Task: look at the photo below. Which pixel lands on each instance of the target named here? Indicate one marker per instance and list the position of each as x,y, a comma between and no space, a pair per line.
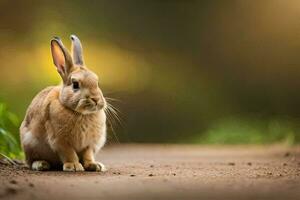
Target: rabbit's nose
95,99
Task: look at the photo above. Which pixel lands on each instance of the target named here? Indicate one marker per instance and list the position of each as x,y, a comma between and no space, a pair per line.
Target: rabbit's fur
65,125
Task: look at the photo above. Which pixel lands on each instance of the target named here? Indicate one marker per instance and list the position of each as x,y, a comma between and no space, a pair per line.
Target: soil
167,172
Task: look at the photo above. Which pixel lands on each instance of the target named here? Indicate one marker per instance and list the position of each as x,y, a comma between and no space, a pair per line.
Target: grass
9,139
241,130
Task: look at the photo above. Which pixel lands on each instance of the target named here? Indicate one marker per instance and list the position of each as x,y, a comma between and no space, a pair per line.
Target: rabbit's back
37,109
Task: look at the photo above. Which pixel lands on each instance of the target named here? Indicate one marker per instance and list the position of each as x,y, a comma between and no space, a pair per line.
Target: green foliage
9,142
241,130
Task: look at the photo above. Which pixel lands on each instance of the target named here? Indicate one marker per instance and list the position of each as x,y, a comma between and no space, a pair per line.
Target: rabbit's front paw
94,166
73,167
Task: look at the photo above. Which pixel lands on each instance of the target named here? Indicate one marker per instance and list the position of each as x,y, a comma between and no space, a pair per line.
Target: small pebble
249,163
269,173
231,163
284,164
151,166
174,174
287,154
13,182
31,185
150,175
132,175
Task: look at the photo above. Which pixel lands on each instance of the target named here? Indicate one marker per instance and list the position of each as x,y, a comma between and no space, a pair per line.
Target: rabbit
65,125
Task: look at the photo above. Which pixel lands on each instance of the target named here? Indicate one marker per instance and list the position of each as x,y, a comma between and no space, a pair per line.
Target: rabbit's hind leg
39,156
40,165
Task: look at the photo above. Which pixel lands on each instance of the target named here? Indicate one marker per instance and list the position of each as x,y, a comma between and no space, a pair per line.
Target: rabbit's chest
83,132
87,133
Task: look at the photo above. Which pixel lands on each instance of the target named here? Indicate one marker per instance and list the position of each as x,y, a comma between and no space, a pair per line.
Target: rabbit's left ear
77,51
61,58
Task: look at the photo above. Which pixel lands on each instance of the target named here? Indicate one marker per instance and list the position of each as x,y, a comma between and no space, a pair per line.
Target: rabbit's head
80,90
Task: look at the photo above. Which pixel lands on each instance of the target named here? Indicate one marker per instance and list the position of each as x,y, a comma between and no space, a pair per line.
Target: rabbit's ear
61,58
77,51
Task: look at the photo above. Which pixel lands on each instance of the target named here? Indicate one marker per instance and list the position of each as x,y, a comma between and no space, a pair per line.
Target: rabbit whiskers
113,117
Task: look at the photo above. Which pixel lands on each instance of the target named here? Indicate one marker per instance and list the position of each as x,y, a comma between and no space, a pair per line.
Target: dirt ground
167,172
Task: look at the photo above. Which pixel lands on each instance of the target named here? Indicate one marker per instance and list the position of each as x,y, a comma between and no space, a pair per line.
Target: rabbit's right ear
77,50
61,58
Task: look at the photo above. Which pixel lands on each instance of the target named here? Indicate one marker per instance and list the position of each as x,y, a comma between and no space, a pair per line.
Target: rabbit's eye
75,85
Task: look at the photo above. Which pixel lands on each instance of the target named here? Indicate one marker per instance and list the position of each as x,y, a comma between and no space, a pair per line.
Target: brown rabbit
65,125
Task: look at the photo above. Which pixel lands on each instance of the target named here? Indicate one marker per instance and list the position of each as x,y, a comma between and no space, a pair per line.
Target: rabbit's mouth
86,106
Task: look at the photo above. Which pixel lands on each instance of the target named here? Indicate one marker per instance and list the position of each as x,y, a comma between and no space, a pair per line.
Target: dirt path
168,172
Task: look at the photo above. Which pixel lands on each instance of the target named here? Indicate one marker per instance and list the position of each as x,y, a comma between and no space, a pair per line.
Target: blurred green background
225,72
